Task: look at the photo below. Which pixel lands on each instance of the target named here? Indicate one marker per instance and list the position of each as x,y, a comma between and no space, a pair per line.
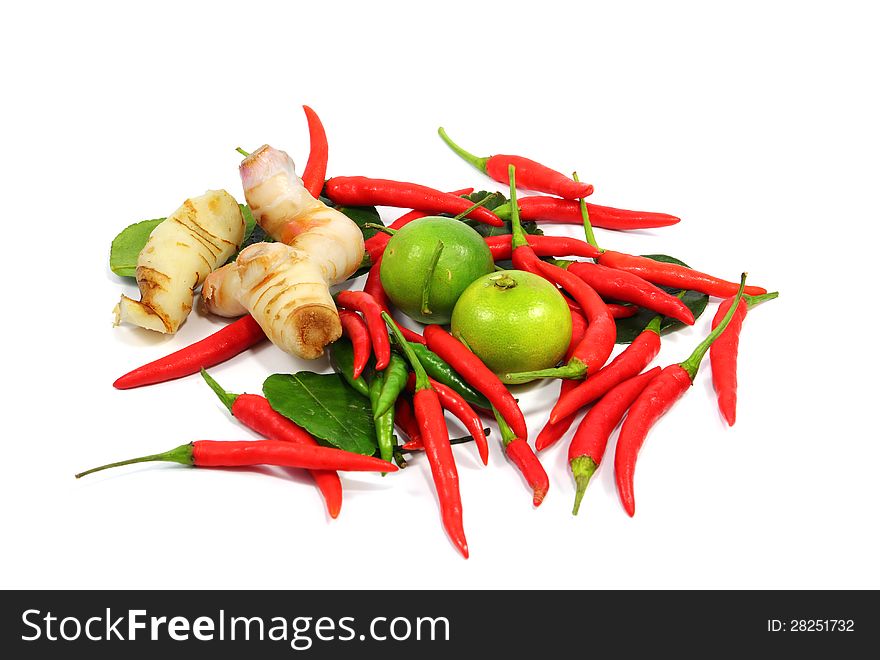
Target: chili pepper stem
422,381
227,398
582,468
692,364
477,205
518,238
426,287
382,228
754,301
476,161
507,434
574,369
588,227
182,454
242,152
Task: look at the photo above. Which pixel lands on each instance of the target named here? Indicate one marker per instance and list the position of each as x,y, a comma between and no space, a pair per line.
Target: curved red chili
553,431
588,444
621,311
315,170
239,453
654,401
224,344
355,329
630,362
522,456
364,191
625,286
598,341
723,354
539,208
372,311
405,419
532,174
478,375
454,403
543,246
375,245
435,438
254,411
373,287
673,275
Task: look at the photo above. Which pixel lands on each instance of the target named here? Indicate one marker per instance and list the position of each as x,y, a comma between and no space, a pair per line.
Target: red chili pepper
372,311
588,444
565,211
654,401
355,329
522,456
435,437
723,354
451,401
224,344
316,167
621,311
254,411
543,246
532,175
630,362
598,342
625,286
375,244
239,453
373,287
553,431
478,375
406,420
673,275
363,191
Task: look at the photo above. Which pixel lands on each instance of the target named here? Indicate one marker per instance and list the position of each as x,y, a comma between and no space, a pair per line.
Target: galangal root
182,251
285,286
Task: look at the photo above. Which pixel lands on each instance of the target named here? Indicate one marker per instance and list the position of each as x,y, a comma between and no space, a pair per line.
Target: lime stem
692,364
228,398
242,152
476,161
582,468
426,287
182,454
588,227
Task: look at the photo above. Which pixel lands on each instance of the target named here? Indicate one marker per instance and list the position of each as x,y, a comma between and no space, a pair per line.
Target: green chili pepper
384,423
342,359
439,370
394,379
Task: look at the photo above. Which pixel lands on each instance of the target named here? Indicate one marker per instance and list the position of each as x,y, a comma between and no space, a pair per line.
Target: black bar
431,623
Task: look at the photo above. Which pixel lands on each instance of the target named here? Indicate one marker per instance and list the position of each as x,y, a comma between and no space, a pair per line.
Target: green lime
514,321
422,288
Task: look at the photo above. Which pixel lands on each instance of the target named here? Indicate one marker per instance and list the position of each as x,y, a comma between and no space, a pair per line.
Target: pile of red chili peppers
419,376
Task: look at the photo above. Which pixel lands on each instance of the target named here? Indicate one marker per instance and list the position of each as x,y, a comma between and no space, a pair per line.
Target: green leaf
326,407
249,222
629,329
497,200
127,245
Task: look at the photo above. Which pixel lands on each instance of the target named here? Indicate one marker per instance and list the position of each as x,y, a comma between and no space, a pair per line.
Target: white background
757,124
